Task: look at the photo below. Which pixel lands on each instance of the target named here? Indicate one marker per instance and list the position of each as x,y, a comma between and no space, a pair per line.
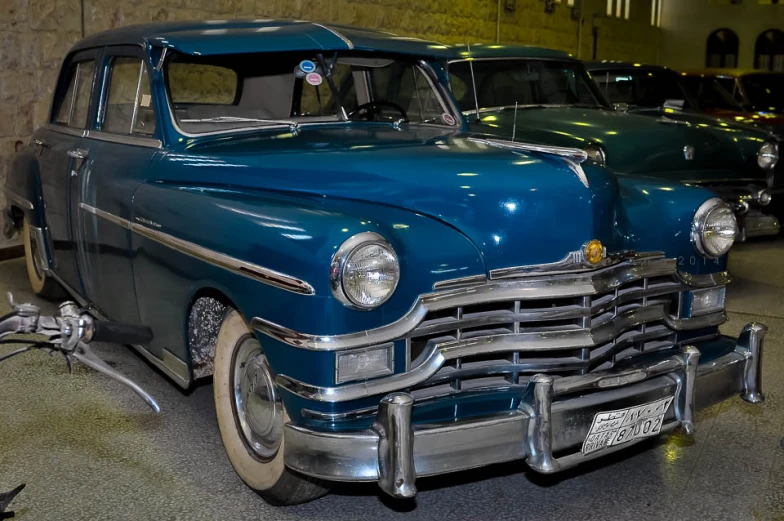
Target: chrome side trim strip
105,215
106,136
124,139
246,269
336,33
18,199
439,354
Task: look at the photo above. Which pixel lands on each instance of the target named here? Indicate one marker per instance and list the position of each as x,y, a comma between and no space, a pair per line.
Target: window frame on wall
64,94
620,9
723,61
774,58
656,12
144,78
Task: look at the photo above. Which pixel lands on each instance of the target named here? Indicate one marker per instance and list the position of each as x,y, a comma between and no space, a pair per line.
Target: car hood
635,143
516,208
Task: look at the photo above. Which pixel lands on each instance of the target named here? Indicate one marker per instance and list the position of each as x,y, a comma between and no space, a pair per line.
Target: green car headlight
768,156
714,228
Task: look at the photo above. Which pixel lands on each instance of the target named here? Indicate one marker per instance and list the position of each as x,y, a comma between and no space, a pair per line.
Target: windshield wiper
293,125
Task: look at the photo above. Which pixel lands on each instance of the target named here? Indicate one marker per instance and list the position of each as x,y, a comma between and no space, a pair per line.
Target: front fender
293,235
661,215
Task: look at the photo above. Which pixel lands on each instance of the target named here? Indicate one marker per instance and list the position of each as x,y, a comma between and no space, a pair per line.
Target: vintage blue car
546,96
298,211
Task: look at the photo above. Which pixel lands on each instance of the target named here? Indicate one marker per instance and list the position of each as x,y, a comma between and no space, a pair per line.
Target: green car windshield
765,91
497,84
644,88
709,93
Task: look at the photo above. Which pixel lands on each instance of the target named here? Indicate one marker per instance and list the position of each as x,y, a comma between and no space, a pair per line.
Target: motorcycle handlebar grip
117,333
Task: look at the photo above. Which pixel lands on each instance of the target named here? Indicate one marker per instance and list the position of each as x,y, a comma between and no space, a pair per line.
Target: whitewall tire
251,417
42,285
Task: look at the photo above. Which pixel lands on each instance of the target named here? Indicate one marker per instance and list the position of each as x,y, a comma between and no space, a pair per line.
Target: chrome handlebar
70,334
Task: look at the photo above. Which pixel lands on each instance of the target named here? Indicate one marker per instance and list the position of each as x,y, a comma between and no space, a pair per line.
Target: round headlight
597,153
763,197
364,271
768,156
714,228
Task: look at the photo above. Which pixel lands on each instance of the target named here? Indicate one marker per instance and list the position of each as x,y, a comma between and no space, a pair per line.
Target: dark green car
546,96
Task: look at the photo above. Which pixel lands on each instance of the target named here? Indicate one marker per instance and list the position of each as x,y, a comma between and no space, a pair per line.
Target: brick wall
36,34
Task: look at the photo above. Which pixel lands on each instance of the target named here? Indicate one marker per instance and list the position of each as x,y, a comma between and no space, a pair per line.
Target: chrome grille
597,330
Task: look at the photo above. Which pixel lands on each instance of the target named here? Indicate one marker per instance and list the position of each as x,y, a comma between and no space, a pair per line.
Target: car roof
609,65
496,50
245,36
731,73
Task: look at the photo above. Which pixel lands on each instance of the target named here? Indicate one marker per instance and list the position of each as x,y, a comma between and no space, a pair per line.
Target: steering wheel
369,110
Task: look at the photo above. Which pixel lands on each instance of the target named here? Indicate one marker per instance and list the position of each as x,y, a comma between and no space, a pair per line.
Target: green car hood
637,144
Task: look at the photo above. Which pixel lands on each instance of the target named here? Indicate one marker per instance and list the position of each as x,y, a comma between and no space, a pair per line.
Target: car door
119,148
61,157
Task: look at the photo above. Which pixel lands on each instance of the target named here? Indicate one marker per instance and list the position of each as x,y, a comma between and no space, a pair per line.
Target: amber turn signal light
594,252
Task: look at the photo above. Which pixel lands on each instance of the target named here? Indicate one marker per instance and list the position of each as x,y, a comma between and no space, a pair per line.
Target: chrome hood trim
572,157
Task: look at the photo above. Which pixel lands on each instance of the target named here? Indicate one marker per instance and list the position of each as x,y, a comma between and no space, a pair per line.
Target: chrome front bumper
395,453
757,224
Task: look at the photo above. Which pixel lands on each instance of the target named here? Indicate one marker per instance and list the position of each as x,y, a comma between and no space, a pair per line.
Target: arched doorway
769,51
722,49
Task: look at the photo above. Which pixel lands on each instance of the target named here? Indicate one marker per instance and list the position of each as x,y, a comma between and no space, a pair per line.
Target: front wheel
251,417
42,285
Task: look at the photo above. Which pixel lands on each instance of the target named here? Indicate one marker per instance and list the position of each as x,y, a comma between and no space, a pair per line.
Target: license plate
624,425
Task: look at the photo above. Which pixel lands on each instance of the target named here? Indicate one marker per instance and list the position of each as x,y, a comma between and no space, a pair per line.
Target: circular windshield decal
313,78
307,66
448,119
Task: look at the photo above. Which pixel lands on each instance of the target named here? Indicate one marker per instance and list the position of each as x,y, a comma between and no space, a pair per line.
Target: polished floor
89,449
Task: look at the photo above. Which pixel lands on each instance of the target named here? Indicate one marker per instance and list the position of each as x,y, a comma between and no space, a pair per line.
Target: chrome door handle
78,153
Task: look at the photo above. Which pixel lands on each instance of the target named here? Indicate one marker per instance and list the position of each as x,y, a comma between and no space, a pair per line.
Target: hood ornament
688,152
572,157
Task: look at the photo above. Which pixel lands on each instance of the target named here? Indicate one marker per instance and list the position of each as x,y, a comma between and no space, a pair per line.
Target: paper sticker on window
314,79
146,100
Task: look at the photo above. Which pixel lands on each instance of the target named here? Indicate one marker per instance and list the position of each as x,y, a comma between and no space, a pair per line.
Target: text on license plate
615,427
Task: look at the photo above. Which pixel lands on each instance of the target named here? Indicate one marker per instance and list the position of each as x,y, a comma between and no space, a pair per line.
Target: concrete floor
90,449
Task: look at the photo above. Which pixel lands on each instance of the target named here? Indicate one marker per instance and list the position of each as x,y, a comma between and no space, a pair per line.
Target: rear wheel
251,417
42,285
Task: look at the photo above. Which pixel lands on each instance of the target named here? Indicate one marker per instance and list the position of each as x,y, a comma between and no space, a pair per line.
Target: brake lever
85,355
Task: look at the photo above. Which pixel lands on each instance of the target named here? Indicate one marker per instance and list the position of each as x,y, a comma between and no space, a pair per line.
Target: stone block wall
35,35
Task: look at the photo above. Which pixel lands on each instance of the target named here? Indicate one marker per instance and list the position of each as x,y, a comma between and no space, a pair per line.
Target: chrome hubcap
257,406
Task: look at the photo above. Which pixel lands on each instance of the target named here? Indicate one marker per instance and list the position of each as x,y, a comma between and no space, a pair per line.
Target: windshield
642,88
765,91
229,92
709,93
527,83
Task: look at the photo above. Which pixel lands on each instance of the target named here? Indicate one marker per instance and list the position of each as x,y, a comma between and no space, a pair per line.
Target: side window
129,105
76,102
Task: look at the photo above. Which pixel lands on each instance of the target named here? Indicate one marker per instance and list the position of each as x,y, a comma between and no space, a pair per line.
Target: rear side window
129,107
75,104
201,83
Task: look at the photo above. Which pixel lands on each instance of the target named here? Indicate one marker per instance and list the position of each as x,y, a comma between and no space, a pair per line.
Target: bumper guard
394,452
